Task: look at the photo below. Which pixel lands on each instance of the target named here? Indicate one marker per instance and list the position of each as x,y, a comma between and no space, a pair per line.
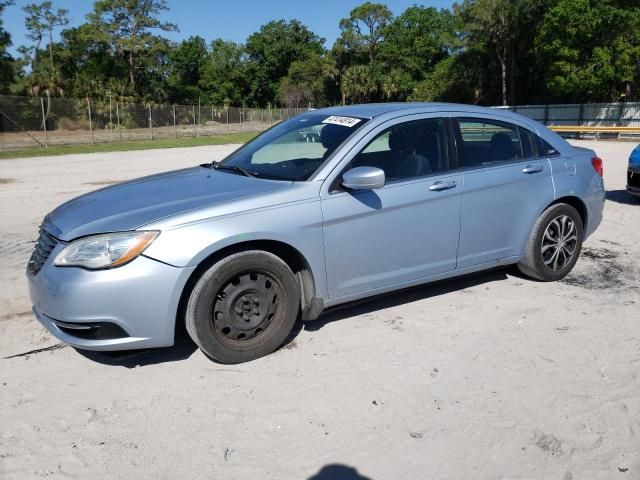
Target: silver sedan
386,196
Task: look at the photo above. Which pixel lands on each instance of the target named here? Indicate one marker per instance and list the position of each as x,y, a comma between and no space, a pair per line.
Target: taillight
597,165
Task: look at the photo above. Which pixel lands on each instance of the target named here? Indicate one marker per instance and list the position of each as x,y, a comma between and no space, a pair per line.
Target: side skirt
433,278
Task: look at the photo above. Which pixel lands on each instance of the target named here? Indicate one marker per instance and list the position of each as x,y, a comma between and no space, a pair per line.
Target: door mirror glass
363,178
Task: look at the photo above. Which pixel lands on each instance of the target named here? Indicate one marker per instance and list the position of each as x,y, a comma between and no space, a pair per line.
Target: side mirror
363,178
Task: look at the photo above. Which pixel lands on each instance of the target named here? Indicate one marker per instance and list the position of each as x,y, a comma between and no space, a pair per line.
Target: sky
228,19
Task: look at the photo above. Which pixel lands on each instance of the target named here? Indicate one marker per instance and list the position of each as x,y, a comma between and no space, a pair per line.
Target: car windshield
293,149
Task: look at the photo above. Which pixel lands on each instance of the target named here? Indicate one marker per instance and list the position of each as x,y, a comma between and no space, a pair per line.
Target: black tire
243,307
539,261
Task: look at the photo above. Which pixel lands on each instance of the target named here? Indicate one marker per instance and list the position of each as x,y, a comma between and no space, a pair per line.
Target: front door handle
532,169
439,185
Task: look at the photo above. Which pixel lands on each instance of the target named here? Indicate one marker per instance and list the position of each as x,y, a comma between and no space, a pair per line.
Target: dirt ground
485,377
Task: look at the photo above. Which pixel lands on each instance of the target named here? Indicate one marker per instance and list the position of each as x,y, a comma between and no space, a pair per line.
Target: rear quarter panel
574,176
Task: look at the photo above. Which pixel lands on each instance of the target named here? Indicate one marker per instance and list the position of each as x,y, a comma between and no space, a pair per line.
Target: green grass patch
127,146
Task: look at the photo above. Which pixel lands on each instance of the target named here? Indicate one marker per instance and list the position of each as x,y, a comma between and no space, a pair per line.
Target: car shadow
408,295
182,350
337,471
622,196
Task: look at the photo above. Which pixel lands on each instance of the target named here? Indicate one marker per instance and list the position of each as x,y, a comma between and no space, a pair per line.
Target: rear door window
486,142
529,143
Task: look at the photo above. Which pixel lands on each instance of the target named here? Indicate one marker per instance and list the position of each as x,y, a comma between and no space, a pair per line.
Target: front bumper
134,306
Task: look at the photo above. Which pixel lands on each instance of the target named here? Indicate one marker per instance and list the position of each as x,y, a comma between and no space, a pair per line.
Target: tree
272,50
42,19
45,78
590,50
417,40
364,30
224,78
89,67
305,82
186,63
394,85
6,61
496,24
359,84
338,60
481,51
128,24
454,79
331,74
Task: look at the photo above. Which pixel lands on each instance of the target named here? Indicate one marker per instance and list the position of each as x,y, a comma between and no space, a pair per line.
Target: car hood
130,205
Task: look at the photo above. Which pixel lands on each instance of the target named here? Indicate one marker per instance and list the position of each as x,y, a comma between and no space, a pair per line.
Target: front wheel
554,244
243,307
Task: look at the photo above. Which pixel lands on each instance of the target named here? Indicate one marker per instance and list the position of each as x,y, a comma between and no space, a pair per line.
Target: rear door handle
532,169
439,185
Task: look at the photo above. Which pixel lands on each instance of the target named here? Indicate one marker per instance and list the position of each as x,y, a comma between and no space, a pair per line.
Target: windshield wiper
234,168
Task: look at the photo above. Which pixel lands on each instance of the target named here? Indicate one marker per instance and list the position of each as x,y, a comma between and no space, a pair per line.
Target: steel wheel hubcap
245,306
559,243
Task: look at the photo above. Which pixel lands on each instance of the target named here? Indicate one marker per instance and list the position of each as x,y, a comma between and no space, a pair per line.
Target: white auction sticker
343,121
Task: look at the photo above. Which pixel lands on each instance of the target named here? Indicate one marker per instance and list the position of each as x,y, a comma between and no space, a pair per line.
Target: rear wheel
243,307
554,245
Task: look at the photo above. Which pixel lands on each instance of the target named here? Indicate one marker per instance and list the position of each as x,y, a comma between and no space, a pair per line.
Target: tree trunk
132,73
51,50
34,64
372,44
512,64
132,77
48,110
502,56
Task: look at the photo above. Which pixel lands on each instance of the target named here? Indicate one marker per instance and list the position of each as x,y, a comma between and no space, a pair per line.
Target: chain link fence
34,121
40,121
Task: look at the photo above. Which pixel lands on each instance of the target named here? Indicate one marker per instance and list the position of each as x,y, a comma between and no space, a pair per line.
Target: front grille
633,178
45,244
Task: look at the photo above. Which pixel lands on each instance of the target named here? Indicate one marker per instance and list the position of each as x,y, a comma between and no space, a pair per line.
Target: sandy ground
489,376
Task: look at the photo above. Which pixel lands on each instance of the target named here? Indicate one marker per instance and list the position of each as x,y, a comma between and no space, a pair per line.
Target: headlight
105,251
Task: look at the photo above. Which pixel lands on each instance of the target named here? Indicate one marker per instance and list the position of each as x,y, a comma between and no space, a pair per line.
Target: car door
505,187
407,230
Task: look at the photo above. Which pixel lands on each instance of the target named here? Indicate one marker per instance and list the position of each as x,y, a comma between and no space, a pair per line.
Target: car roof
372,110
392,110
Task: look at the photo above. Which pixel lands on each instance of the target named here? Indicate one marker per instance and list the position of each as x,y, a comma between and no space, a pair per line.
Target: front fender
298,225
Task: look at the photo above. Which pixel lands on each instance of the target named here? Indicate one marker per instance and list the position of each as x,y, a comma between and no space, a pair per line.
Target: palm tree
358,83
48,82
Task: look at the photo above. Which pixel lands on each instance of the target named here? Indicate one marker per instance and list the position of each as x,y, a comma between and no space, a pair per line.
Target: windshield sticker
342,121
